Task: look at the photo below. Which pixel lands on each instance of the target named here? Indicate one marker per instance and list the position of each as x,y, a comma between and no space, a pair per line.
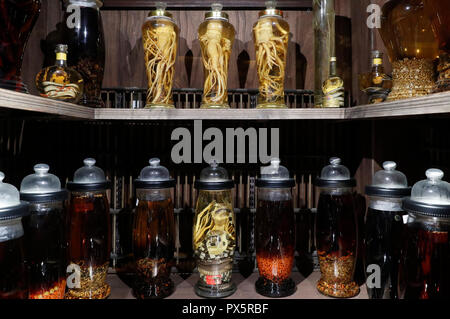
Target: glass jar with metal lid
271,37
216,37
275,231
214,234
384,228
160,41
89,234
46,241
426,260
154,232
336,231
13,274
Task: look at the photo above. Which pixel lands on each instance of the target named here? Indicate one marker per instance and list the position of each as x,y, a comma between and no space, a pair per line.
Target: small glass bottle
60,82
214,233
216,37
13,274
333,88
376,84
160,40
154,232
271,37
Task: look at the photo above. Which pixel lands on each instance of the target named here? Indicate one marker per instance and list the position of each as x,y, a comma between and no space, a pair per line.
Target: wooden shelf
429,105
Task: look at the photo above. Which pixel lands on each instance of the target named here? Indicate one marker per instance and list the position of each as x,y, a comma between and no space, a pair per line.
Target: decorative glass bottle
84,36
271,37
376,84
216,37
412,46
333,88
275,231
154,232
46,241
16,23
214,233
60,82
89,234
160,40
324,44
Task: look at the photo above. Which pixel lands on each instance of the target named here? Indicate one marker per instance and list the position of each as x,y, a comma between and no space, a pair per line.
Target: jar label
213,280
377,61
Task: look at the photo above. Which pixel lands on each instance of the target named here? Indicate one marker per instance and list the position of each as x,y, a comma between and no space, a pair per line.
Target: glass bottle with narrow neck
333,87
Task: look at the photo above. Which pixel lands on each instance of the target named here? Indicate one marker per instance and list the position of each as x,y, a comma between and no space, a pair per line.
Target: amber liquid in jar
89,244
13,275
216,41
153,247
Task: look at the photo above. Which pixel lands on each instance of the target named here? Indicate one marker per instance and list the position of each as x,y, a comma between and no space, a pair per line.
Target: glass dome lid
84,3
214,177
154,176
389,182
335,175
10,205
88,178
271,10
216,12
160,12
274,176
430,196
41,186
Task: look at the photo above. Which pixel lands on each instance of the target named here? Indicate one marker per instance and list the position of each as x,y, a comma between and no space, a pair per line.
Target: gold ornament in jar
160,40
271,36
216,37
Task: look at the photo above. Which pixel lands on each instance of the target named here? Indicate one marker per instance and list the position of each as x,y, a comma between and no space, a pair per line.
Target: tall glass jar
83,30
154,232
160,41
271,37
216,37
46,241
336,231
13,274
425,264
412,46
275,231
214,233
89,234
16,23
384,230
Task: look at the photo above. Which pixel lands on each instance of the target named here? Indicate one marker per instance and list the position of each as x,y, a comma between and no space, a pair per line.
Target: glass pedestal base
159,106
271,106
217,291
214,106
272,289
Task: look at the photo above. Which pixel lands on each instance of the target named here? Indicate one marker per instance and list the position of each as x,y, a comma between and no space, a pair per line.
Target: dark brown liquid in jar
13,276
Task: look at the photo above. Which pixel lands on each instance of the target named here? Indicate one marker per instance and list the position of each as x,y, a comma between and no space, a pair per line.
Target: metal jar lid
271,10
216,13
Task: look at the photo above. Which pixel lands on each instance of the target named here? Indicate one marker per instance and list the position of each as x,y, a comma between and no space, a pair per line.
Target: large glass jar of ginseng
271,37
336,231
154,232
426,260
160,42
89,242
46,241
216,37
13,274
275,231
214,234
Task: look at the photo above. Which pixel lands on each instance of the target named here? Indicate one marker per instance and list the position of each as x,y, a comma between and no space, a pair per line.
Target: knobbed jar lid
431,196
89,178
42,186
216,12
154,176
275,176
85,3
271,10
389,182
214,177
10,205
160,12
335,175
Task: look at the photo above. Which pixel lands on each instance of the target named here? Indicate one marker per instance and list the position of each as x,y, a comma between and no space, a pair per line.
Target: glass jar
17,22
154,232
384,230
275,231
214,233
425,263
89,234
376,84
46,241
271,37
160,40
13,274
216,37
85,39
407,34
336,231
